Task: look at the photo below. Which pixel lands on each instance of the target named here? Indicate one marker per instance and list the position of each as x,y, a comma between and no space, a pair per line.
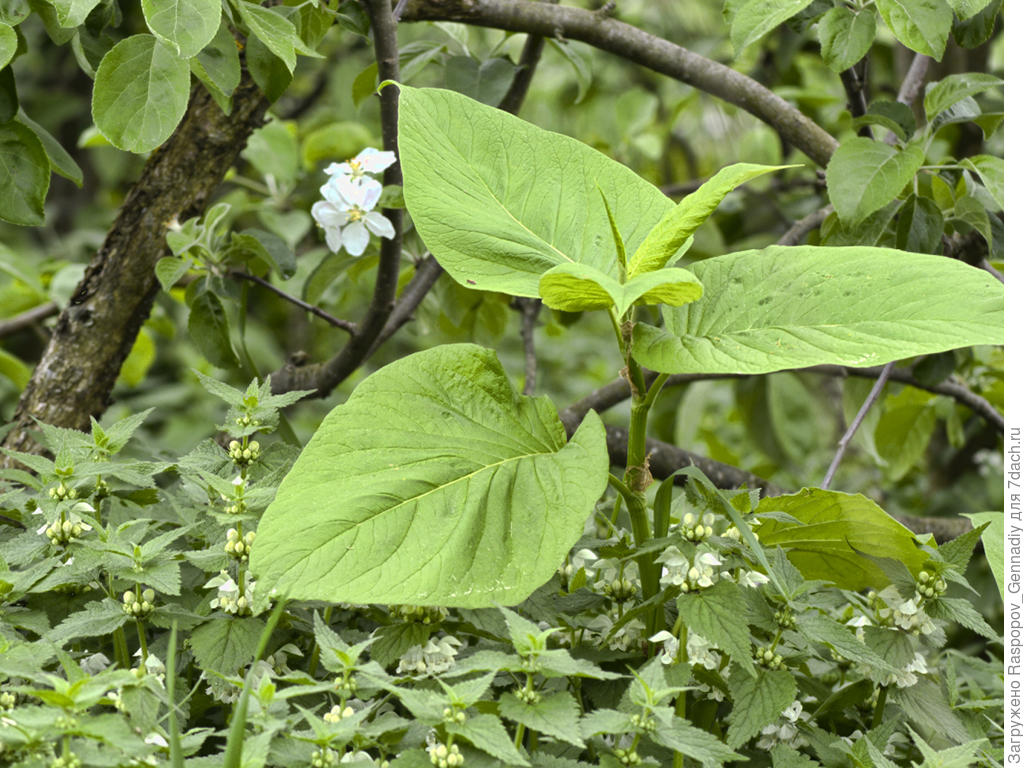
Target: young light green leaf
834,530
757,701
578,287
556,714
864,175
24,175
185,25
60,161
675,227
169,270
620,247
845,36
782,308
496,222
940,96
435,483
140,94
992,541
8,44
756,18
679,735
72,13
921,25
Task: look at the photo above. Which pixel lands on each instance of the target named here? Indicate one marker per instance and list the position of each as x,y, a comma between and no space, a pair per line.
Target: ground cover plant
393,550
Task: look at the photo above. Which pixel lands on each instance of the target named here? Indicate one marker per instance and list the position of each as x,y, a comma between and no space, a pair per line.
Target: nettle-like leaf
435,483
757,701
140,94
835,532
499,201
792,307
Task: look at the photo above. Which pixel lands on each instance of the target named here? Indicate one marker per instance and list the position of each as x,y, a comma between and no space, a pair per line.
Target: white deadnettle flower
909,616
674,567
699,651
752,579
156,738
628,637
94,664
907,676
670,650
703,571
433,658
370,160
784,730
347,217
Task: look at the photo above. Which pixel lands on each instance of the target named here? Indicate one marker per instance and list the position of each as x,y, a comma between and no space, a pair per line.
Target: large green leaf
435,483
140,94
780,308
834,532
845,36
24,175
921,25
676,226
185,25
757,701
940,96
499,201
756,18
864,175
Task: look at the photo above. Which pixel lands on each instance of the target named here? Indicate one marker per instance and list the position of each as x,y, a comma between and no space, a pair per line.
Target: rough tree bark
95,332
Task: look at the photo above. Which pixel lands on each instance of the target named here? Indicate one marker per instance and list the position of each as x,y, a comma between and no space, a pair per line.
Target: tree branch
641,47
805,226
346,325
27,318
94,334
844,441
530,309
914,80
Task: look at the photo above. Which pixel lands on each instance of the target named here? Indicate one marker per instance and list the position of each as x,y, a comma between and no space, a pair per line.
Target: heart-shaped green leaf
675,227
795,307
436,483
499,201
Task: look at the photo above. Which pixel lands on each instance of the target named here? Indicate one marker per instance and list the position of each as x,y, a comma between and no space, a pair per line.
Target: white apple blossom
370,160
347,217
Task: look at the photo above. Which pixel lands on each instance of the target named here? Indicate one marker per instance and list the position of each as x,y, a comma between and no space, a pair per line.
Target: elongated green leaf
434,484
499,202
845,36
60,161
835,529
756,18
274,31
864,175
208,327
72,13
676,226
905,429
140,94
783,308
185,25
940,96
992,540
217,66
24,175
8,44
921,25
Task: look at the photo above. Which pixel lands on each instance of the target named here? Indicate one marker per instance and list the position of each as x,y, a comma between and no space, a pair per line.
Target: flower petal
355,238
334,239
379,224
327,214
375,161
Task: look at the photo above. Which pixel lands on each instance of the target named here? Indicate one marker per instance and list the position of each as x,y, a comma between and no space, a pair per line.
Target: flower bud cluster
71,760
627,756
930,585
239,546
621,590
138,606
784,618
696,528
528,696
322,758
229,598
243,456
642,722
246,420
768,658
7,701
63,533
63,492
446,757
337,714
345,685
419,614
454,715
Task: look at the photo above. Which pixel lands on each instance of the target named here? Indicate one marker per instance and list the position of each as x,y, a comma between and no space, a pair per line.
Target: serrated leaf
819,628
555,714
894,646
864,175
780,308
928,708
756,18
487,733
225,645
218,388
497,223
940,96
921,25
605,721
24,175
96,619
169,270
434,484
963,613
719,615
208,327
140,94
686,739
845,36
677,225
186,25
757,701
836,528
394,640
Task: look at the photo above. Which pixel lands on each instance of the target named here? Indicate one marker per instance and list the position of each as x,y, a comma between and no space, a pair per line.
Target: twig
528,60
530,309
856,99
913,81
346,325
804,226
844,441
643,48
426,275
984,264
27,318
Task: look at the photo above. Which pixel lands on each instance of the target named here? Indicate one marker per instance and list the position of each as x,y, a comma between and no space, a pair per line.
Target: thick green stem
876,720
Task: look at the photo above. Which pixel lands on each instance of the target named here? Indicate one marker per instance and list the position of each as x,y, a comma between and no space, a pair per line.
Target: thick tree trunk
95,332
